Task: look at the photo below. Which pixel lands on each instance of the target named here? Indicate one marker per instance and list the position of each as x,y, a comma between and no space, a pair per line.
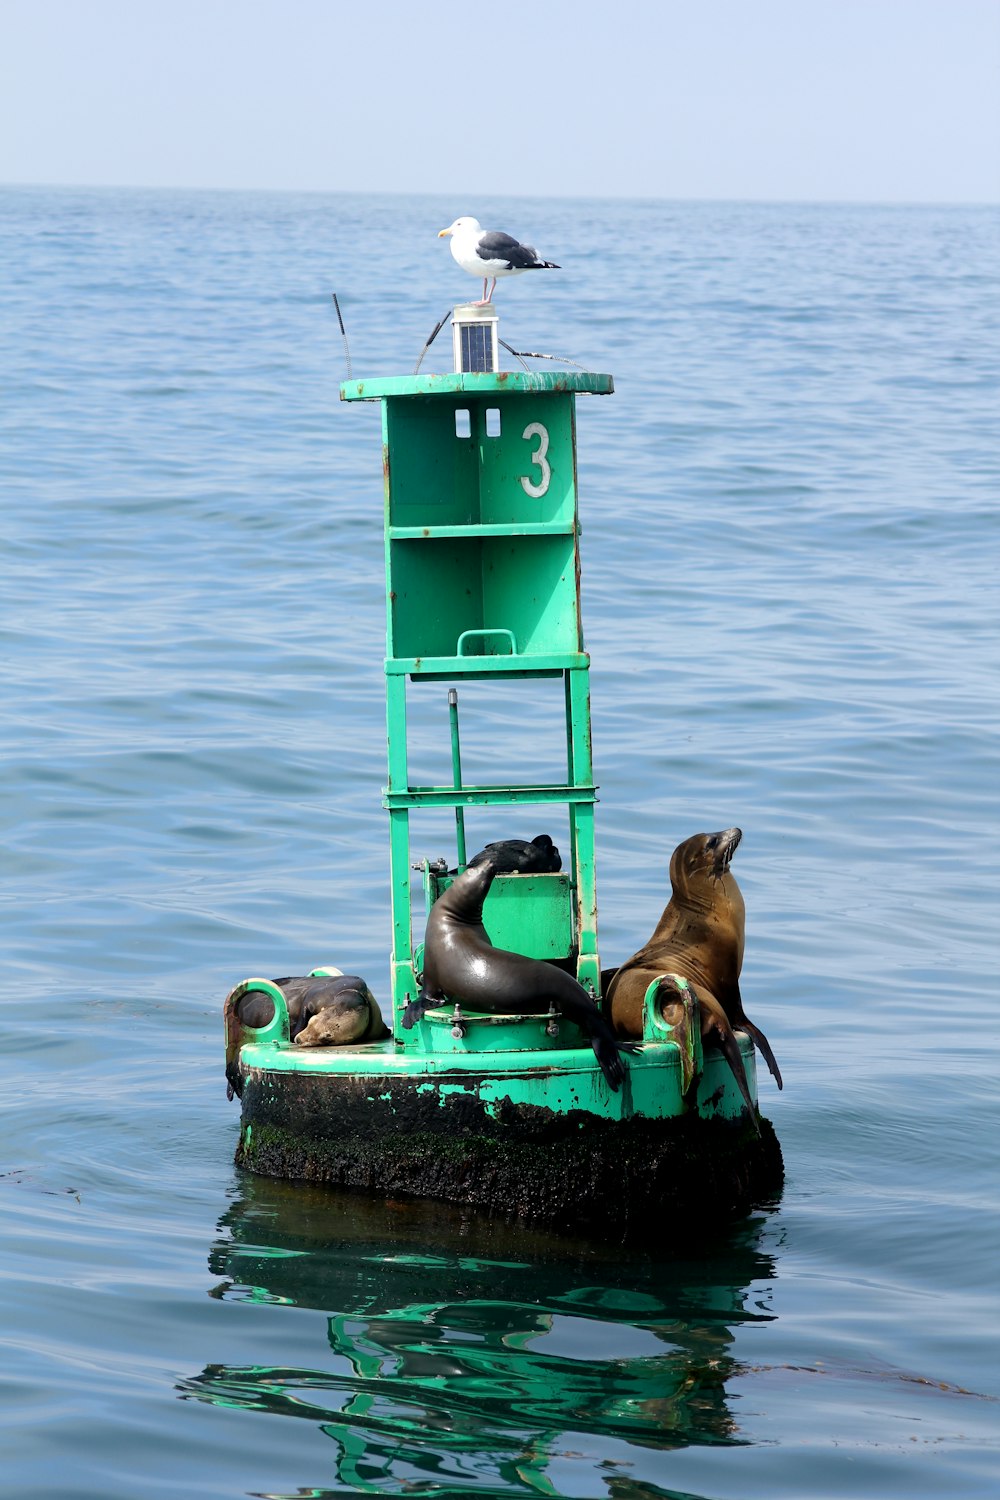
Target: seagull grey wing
495,245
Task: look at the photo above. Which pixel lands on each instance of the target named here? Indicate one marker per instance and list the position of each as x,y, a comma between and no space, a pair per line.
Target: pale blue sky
865,100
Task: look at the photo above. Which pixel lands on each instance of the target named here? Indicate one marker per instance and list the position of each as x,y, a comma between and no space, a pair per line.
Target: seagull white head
464,225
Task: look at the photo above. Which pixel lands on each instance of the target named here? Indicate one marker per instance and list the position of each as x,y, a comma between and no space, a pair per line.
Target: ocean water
791,562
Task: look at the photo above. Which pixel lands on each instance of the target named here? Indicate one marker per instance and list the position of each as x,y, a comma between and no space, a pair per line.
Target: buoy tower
510,1113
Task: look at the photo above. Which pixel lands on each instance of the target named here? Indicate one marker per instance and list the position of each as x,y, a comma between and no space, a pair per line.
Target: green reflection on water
457,1355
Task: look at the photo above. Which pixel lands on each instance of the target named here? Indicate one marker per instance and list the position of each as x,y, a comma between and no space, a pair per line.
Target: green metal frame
483,580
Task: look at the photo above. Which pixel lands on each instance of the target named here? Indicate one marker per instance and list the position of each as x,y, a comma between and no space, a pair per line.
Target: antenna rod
343,332
523,354
437,329
456,773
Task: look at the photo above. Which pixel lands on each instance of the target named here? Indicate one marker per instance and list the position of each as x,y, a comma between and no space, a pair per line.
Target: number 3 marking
536,430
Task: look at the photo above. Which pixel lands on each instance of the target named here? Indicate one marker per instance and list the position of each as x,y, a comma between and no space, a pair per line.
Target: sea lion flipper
415,1011
765,1048
609,1056
731,1051
428,998
715,1025
609,1050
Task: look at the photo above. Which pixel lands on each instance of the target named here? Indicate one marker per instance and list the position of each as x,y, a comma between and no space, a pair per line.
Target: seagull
490,252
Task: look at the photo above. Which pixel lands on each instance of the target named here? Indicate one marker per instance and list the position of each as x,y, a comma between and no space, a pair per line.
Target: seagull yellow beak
443,232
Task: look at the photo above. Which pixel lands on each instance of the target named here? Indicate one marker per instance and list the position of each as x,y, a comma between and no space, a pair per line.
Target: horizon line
764,201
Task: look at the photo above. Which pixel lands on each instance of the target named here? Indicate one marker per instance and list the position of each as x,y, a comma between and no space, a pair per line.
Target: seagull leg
492,289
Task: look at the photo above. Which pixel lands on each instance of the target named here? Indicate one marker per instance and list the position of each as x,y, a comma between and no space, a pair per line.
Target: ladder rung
483,796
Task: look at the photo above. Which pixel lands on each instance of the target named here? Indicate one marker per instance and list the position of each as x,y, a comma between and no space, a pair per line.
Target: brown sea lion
699,936
461,963
256,1008
338,1012
324,1010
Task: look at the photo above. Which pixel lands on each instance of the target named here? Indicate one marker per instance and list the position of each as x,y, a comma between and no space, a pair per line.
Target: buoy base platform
509,1115
618,1179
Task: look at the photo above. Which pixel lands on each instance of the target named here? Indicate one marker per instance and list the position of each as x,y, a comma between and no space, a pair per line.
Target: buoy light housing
475,340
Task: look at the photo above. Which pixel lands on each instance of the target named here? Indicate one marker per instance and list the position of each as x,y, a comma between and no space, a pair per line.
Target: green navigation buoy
507,1113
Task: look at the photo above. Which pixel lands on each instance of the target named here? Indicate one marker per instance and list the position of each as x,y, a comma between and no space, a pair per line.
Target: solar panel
475,339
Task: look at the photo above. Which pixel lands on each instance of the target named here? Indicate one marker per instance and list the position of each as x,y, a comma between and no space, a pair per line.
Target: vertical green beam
581,771
456,774
581,819
402,980
403,985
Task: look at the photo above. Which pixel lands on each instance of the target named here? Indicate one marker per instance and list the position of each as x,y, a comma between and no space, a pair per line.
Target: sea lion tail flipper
234,1083
720,1030
765,1047
581,1008
610,1052
734,1057
414,1012
609,1056
416,1009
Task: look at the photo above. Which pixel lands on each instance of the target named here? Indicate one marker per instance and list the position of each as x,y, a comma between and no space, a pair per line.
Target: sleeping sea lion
461,963
329,1009
699,936
337,1012
324,1010
256,1008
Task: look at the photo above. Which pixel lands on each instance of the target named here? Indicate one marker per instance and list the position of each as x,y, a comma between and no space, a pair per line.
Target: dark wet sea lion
538,856
701,936
461,963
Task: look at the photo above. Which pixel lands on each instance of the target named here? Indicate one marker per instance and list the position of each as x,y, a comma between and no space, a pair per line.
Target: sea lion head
339,1017
701,861
548,858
